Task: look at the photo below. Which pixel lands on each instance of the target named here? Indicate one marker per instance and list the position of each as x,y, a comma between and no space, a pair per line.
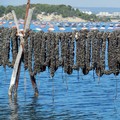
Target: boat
51,29
11,22
97,25
73,25
117,25
59,24
102,27
84,28
111,25
67,24
37,29
62,28
80,25
74,28
110,28
94,28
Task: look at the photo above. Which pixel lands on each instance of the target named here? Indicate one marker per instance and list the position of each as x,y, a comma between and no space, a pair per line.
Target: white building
87,12
116,14
106,14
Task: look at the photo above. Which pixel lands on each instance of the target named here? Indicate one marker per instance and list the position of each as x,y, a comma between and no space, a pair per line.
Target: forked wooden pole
19,55
27,10
17,79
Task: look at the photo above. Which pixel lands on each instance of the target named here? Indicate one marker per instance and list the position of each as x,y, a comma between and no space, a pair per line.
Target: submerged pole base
12,89
36,92
34,84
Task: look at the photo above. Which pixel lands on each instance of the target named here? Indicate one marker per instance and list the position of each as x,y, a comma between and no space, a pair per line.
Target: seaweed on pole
88,51
65,57
110,60
62,38
116,33
74,50
118,58
30,52
40,48
45,56
65,48
57,37
14,41
6,47
112,53
43,53
83,52
26,49
48,48
1,44
52,50
72,38
69,53
99,53
78,51
36,51
94,49
52,55
3,47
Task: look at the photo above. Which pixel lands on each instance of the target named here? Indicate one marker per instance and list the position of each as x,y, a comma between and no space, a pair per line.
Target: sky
74,3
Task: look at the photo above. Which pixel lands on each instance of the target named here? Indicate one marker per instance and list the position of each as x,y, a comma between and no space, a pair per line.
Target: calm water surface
74,97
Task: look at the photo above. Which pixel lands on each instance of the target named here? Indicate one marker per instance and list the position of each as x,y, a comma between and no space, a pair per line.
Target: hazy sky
75,3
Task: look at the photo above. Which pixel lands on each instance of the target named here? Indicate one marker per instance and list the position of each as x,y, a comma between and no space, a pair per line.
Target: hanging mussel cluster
9,44
85,50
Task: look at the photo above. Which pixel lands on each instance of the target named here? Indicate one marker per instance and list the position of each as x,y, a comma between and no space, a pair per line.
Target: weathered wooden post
16,70
26,15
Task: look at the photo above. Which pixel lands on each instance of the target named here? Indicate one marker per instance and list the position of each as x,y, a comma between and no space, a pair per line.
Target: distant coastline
67,12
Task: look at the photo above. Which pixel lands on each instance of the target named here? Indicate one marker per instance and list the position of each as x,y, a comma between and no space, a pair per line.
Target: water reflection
33,108
14,108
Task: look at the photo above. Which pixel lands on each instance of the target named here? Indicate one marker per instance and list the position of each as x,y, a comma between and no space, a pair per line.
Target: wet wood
34,84
15,71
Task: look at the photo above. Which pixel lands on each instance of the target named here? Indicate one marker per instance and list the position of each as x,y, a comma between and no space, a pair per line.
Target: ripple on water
61,98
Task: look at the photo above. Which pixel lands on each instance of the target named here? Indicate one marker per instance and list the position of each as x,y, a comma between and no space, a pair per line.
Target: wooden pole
17,79
19,55
19,67
16,21
27,10
34,84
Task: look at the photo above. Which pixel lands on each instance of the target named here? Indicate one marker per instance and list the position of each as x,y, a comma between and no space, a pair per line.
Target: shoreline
58,18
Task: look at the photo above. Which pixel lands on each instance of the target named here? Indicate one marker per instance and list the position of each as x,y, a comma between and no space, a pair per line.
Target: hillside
65,11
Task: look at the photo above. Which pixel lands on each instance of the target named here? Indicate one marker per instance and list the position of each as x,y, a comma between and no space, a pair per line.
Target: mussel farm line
85,50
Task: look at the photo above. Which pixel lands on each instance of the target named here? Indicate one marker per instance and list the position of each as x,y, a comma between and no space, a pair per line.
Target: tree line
64,10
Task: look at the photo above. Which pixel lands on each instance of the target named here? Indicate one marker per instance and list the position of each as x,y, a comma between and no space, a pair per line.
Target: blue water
65,97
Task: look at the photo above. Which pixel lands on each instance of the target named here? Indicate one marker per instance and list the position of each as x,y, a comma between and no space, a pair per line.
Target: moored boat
51,29
62,28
